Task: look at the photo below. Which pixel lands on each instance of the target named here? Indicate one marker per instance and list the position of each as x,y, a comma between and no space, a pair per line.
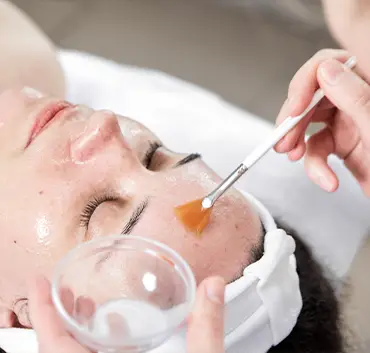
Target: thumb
206,324
347,91
50,331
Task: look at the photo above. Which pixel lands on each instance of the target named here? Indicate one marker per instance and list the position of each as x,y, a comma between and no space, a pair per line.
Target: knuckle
362,101
310,66
307,70
282,114
325,54
295,85
217,330
212,329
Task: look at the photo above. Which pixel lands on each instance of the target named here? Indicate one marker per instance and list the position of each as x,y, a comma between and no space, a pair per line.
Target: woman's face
68,174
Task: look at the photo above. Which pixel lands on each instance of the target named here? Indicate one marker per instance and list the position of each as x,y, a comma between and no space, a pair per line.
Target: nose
101,129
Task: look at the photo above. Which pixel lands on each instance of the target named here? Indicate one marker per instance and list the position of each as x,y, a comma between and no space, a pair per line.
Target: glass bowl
123,293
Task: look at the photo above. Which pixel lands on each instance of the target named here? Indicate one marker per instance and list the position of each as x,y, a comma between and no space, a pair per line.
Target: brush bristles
194,217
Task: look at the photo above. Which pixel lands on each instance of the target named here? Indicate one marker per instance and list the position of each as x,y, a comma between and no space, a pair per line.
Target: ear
21,314
7,318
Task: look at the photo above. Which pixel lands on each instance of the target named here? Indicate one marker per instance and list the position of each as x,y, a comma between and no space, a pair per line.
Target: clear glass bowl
123,293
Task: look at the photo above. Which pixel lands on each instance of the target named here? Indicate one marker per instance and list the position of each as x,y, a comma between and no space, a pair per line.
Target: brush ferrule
211,198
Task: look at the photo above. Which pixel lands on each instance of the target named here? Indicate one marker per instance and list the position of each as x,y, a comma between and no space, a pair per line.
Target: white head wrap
263,305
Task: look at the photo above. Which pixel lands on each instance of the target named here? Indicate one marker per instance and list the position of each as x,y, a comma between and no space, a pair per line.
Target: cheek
10,106
36,232
14,107
224,247
29,248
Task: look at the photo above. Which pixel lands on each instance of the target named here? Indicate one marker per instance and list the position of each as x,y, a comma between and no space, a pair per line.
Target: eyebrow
189,158
135,217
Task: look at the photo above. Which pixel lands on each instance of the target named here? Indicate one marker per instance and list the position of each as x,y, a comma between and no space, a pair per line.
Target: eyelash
91,206
188,159
154,146
135,217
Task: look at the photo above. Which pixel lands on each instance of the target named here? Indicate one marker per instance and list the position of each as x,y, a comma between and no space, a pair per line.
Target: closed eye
92,205
153,147
187,159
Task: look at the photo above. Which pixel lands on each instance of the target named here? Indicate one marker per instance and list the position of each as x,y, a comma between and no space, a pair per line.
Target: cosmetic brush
195,215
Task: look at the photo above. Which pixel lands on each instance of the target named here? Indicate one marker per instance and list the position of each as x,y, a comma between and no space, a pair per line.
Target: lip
43,119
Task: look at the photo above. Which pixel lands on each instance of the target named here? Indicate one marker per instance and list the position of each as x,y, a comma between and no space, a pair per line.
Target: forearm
27,58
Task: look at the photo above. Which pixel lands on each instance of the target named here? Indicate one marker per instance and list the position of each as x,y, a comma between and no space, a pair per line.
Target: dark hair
318,329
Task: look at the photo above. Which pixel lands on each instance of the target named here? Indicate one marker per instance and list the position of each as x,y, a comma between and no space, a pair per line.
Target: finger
358,164
347,91
304,83
206,325
301,90
319,147
51,334
85,309
325,104
294,108
320,115
299,150
66,297
323,115
118,326
43,315
305,80
295,138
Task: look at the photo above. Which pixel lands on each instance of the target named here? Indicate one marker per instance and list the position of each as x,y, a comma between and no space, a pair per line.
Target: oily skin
83,155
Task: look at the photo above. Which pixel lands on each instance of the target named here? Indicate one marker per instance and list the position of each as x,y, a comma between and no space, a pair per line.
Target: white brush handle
262,149
287,125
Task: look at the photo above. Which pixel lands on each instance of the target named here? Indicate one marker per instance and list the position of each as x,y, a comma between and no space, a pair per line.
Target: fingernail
31,92
215,290
331,70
